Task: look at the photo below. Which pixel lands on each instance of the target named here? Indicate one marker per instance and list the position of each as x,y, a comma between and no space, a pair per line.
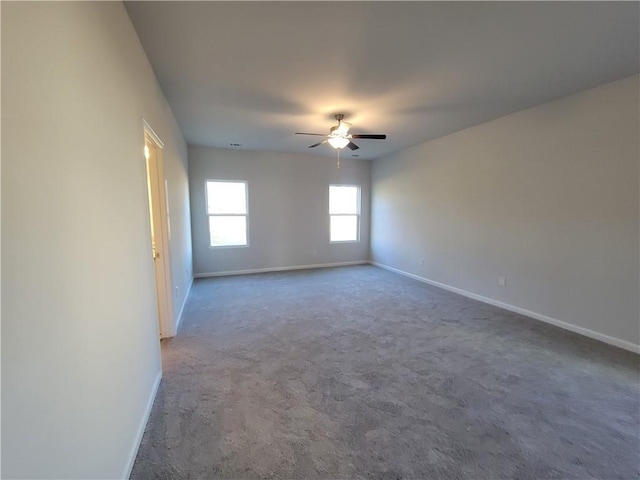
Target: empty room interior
336,240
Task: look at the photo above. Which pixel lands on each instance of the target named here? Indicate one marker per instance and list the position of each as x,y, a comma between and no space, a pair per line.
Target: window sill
224,247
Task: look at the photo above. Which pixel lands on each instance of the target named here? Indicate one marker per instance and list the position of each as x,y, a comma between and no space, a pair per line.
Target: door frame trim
166,322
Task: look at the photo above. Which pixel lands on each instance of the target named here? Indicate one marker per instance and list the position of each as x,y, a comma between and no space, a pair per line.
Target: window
344,213
227,212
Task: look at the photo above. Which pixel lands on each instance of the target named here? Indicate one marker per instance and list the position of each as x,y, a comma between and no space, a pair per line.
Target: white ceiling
256,72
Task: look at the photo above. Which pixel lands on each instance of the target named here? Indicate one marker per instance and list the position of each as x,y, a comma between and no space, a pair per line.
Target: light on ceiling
338,142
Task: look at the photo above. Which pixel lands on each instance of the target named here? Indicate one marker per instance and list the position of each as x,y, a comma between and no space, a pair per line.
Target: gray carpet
357,372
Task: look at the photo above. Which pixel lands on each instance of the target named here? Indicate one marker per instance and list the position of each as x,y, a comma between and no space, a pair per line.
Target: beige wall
80,349
547,197
288,209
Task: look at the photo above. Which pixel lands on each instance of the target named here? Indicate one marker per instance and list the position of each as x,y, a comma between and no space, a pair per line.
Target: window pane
343,199
227,197
228,231
344,228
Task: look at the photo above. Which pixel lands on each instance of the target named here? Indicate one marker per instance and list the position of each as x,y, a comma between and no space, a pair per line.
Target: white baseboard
279,269
184,302
143,424
632,347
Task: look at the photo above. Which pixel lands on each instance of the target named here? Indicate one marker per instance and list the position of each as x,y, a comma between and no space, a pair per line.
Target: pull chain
338,158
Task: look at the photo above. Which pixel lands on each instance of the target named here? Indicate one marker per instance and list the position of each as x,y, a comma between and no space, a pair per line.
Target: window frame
357,214
209,215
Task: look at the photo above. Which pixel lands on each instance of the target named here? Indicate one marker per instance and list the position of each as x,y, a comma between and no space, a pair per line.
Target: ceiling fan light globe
338,142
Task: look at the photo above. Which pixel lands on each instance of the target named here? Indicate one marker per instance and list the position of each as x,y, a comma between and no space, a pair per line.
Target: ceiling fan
339,136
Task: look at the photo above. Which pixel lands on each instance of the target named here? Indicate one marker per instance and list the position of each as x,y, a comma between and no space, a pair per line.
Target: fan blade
316,134
316,144
352,146
375,137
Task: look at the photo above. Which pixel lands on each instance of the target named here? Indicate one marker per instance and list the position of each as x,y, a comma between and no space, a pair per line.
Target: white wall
547,197
288,209
80,349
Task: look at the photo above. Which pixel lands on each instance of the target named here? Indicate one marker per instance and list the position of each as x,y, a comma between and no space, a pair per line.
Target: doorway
159,222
